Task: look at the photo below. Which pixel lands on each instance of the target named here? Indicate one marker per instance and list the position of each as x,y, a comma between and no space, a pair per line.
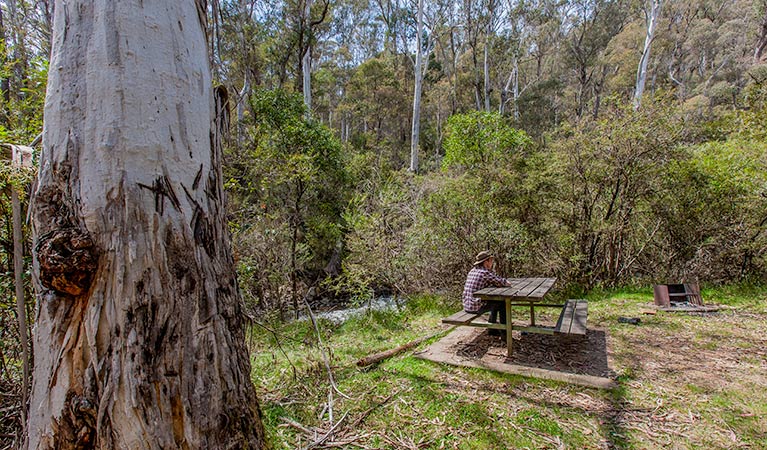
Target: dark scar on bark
76,429
201,226
68,258
162,189
197,178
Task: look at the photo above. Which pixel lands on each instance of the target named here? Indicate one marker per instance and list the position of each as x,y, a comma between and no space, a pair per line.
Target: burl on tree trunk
139,338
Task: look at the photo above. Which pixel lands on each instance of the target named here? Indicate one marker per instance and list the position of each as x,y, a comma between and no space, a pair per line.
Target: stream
340,316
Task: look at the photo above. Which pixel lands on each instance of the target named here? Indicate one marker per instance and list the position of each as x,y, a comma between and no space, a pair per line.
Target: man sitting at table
481,276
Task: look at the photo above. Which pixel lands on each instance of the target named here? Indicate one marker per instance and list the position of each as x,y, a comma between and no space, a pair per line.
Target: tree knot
68,258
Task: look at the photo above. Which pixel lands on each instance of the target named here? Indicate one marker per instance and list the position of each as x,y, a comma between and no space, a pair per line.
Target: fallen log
378,357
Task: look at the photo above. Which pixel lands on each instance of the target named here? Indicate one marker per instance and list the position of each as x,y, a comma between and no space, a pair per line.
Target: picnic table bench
528,292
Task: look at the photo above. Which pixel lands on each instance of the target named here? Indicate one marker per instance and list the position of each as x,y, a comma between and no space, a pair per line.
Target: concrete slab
687,308
473,347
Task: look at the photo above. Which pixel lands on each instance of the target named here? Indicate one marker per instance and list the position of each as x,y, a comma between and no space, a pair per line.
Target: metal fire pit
677,295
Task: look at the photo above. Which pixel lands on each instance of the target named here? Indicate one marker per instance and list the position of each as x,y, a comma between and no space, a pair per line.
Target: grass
685,381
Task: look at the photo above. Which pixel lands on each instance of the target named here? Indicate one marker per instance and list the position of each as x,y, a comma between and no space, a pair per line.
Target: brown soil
584,355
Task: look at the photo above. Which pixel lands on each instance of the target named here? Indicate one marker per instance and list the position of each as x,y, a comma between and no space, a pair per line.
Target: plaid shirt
479,278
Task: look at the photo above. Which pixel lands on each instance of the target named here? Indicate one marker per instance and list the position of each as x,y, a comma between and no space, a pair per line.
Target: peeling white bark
652,16
138,331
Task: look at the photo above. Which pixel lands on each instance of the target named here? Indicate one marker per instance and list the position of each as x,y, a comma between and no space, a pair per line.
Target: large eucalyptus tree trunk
139,337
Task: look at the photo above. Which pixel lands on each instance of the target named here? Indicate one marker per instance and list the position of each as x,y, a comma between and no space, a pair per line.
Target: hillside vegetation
538,133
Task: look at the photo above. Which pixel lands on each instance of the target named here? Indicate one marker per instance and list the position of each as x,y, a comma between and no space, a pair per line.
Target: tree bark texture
139,336
416,125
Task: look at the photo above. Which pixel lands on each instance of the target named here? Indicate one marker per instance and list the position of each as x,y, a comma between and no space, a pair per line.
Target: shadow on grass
611,419
583,355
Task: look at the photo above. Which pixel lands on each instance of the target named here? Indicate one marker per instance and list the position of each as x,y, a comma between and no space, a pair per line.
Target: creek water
339,316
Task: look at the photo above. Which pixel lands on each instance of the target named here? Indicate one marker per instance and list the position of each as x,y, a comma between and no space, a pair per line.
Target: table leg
532,315
509,339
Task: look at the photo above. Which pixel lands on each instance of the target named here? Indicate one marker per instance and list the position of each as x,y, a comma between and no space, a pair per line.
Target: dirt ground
585,355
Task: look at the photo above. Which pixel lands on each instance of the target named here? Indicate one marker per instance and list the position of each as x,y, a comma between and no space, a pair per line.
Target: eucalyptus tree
534,59
652,15
450,48
516,43
418,73
492,7
761,41
139,335
392,13
706,43
592,24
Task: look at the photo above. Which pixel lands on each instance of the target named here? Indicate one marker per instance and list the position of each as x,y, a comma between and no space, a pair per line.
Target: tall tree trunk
20,155
306,59
416,126
139,334
241,102
511,83
5,82
454,78
651,18
761,42
486,71
486,62
516,89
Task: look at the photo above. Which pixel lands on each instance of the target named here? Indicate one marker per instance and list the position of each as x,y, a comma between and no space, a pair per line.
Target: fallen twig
367,412
328,434
299,426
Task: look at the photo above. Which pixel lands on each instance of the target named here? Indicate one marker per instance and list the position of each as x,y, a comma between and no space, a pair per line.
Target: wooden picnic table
528,292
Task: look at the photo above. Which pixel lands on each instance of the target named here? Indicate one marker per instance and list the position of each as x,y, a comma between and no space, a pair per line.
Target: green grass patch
685,381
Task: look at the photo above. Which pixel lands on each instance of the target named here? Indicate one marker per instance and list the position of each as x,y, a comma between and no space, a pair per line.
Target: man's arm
496,280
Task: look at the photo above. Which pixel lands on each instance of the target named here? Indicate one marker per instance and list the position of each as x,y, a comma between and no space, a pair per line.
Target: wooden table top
530,289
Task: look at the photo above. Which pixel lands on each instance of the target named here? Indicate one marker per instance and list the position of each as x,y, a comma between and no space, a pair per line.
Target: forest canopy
542,136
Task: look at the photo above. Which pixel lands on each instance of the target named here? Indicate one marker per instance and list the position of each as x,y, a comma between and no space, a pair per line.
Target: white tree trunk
652,23
511,83
307,60
139,337
516,89
486,62
417,91
241,101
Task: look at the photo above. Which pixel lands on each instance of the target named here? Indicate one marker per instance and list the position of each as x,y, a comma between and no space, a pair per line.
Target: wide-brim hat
482,257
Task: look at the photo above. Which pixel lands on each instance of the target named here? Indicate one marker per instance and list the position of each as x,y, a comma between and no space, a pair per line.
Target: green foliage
21,112
715,209
607,174
378,219
478,138
459,218
290,186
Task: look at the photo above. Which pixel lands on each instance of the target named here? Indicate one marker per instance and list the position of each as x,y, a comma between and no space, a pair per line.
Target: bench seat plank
573,318
461,318
579,321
